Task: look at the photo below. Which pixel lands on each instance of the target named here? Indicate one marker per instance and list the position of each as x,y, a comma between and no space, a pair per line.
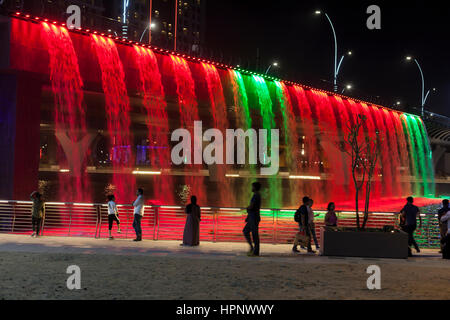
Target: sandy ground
36,269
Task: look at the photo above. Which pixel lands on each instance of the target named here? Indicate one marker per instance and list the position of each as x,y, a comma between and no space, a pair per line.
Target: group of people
408,223
304,216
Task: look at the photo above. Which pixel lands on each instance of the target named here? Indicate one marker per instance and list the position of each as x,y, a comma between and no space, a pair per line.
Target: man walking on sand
253,219
443,225
304,234
446,240
411,212
138,205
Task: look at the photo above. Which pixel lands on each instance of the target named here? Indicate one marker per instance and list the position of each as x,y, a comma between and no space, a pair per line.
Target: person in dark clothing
304,234
253,219
445,241
443,225
191,235
410,212
37,213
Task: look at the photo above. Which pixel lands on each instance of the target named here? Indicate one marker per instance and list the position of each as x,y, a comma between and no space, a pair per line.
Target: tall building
92,11
130,18
133,21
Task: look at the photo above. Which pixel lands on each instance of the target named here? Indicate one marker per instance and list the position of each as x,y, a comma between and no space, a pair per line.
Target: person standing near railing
138,205
37,212
113,215
446,240
411,212
191,235
253,219
331,218
443,225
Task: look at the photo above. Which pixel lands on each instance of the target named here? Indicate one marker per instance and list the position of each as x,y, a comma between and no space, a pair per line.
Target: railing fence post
128,224
155,221
274,225
98,209
70,217
157,226
14,217
214,225
43,219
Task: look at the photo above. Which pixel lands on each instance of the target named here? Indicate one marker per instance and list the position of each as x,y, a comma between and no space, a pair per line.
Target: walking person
253,219
138,205
331,218
303,237
443,225
113,215
410,213
312,225
445,241
191,235
37,213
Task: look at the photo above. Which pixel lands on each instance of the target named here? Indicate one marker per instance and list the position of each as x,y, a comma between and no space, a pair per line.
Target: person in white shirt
113,215
446,240
138,205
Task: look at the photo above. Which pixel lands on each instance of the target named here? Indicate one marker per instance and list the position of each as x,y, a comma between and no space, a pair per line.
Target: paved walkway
207,250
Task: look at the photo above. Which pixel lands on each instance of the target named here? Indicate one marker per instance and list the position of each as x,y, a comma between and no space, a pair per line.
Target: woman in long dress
191,236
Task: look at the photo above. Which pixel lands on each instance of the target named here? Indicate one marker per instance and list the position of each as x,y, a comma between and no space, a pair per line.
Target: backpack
298,216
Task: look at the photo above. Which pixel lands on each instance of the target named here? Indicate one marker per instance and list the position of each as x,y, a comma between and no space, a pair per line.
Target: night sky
302,42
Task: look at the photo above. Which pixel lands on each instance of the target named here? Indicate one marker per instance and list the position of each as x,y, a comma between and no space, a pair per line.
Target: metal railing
167,222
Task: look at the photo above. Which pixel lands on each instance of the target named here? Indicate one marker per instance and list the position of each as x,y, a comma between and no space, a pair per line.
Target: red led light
18,13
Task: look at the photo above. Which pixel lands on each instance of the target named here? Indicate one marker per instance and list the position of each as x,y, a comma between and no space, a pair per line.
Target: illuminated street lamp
150,27
348,87
275,64
424,96
337,66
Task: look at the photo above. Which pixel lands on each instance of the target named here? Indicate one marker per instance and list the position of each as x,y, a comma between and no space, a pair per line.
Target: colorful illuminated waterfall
274,193
157,123
291,138
244,121
188,109
109,108
70,118
117,110
219,113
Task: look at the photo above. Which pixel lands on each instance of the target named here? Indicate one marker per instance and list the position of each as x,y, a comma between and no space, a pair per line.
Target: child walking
113,215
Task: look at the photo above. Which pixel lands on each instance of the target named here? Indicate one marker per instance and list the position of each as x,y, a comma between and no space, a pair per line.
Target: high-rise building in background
92,11
134,21
130,18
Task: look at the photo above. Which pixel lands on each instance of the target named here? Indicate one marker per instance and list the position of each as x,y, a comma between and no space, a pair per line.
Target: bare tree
356,151
372,152
364,155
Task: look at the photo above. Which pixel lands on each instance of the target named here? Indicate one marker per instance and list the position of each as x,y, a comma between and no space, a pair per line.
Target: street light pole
337,66
149,28
270,66
335,54
424,96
